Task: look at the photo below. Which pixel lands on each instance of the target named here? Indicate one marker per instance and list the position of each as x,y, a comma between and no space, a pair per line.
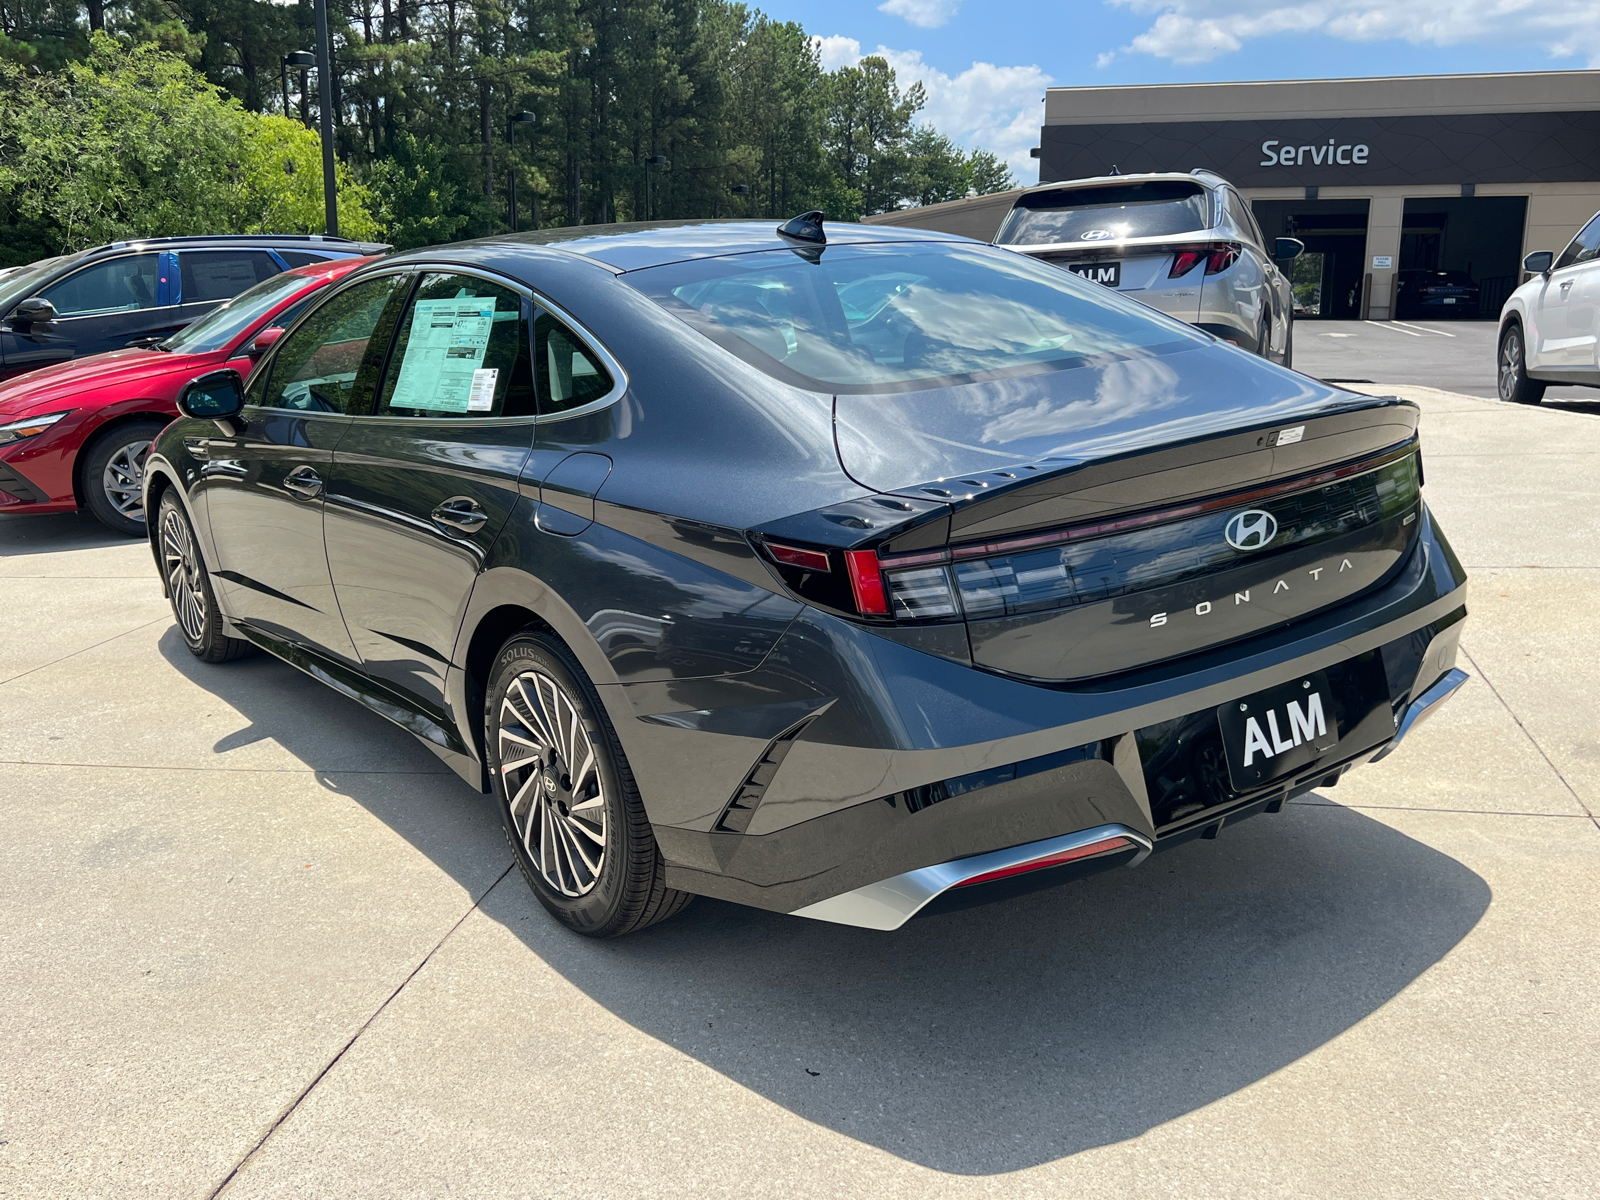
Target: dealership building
1452,172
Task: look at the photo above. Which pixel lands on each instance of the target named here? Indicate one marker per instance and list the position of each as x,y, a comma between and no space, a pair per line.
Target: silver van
1187,245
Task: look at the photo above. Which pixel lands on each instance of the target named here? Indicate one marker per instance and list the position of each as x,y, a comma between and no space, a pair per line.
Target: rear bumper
849,760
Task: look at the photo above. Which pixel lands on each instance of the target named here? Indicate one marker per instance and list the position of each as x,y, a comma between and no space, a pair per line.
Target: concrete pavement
256,942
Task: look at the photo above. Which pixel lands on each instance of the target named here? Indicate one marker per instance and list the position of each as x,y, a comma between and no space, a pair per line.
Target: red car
75,435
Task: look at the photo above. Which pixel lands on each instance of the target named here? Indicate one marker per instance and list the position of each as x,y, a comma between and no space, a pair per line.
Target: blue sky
986,63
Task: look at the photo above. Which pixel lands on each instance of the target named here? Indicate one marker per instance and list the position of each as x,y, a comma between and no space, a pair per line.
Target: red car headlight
28,427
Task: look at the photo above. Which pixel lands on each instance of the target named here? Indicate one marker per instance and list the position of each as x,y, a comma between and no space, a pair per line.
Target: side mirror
217,397
35,310
1539,262
264,341
1284,249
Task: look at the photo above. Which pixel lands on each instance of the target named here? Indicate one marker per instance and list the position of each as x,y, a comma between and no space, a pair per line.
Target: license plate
1276,732
1449,299
1109,274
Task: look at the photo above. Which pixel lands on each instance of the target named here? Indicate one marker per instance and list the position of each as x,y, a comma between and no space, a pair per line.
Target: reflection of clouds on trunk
1126,389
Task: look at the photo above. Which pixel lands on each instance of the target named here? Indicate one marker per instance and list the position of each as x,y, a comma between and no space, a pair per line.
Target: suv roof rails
1205,173
262,238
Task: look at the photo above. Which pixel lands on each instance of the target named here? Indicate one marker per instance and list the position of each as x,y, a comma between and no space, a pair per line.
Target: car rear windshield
1108,212
221,325
893,317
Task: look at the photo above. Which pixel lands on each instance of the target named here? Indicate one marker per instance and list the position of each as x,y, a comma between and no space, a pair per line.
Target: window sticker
444,354
481,398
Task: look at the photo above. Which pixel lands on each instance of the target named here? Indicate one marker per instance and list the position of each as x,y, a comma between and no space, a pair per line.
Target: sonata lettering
1348,154
1202,609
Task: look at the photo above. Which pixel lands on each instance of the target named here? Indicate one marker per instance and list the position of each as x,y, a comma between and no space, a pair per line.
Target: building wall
975,217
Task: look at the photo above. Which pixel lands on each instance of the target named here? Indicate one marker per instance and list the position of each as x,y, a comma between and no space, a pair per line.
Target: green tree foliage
134,142
738,105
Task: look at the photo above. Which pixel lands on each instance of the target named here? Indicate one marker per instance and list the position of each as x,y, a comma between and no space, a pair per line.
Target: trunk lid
1087,512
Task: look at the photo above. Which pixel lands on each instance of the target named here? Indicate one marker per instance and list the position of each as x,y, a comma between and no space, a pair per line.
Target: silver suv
1185,244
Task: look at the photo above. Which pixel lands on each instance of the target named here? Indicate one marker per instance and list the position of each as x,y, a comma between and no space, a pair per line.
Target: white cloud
1195,31
999,109
925,14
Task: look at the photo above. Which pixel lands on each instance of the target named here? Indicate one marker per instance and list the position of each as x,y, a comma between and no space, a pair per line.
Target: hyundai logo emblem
1096,235
1251,529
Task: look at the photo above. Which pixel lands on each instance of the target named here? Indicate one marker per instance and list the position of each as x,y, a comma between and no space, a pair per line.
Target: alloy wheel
181,562
552,783
1510,364
123,479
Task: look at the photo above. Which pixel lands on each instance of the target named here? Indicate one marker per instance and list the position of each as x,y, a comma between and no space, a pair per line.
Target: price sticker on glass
443,366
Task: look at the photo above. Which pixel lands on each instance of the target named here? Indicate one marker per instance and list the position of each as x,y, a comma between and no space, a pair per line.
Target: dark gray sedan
842,571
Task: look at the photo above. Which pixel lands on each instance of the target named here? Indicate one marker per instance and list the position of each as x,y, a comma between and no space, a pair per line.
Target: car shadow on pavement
57,532
981,1041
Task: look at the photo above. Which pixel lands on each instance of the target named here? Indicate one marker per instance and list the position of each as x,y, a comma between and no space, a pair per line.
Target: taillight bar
866,582
1218,257
1141,520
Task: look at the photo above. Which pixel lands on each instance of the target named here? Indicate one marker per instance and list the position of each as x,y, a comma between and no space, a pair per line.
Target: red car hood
113,370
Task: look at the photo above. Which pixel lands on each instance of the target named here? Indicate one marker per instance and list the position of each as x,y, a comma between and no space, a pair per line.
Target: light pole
515,119
655,160
302,61
330,194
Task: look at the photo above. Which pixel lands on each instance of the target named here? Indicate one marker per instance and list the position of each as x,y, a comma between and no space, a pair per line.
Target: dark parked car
1437,294
136,293
835,572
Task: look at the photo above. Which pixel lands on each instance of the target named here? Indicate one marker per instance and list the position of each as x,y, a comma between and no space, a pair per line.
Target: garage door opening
1329,276
1459,257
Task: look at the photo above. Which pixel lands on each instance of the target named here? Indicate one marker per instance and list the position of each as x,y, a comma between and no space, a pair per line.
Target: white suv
1550,325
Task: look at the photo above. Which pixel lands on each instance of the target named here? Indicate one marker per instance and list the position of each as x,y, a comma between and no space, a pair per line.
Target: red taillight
1218,257
866,581
1051,860
793,556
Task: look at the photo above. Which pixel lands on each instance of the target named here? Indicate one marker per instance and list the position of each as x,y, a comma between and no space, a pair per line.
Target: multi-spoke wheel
1514,384
180,563
113,475
194,604
567,797
557,798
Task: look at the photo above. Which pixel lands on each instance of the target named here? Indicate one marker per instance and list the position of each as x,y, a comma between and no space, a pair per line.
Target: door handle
304,482
461,514
1566,286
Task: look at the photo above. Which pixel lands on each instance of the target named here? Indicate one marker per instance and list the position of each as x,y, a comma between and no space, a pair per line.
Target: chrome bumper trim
1424,706
890,903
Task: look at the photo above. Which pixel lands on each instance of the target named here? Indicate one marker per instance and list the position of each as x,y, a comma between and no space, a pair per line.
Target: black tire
194,604
113,475
1511,362
1288,345
578,828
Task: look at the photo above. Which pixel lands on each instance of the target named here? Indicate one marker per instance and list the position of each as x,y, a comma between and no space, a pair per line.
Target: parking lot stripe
1423,328
1389,325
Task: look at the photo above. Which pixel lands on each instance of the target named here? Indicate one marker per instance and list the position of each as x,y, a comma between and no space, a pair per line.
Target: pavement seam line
85,650
365,1025
1465,812
30,762
1533,741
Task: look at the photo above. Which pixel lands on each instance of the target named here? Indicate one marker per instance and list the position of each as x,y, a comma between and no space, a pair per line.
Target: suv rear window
1154,208
893,317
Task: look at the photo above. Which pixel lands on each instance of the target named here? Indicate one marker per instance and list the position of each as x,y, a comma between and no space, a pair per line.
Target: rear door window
124,284
1108,213
210,275
462,352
